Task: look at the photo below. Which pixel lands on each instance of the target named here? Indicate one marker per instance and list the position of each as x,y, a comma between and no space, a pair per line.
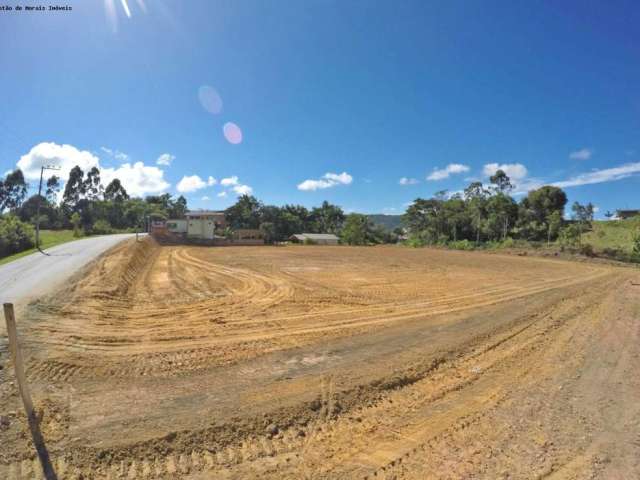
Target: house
624,214
177,227
315,238
202,224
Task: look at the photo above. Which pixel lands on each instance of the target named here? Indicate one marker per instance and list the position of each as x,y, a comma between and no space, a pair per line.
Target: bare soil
330,362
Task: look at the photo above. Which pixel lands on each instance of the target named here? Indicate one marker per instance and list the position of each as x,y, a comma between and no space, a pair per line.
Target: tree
502,212
115,191
328,218
501,182
13,190
554,223
245,213
74,189
536,209
92,185
178,208
75,220
476,197
357,230
268,230
583,214
53,187
28,210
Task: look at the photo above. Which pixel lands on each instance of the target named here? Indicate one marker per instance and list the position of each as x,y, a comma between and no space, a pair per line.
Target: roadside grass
48,239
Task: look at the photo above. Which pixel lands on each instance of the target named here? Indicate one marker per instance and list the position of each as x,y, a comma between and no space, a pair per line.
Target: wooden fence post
18,365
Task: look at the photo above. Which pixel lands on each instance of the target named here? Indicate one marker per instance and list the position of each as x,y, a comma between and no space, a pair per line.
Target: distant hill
387,221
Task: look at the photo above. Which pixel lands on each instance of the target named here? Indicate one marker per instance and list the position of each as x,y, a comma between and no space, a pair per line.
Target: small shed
315,238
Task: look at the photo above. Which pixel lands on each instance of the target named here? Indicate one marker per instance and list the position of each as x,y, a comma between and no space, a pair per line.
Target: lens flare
232,133
210,99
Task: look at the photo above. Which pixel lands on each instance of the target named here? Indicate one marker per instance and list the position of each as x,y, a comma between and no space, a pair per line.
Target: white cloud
117,154
63,156
211,181
601,176
515,171
243,189
451,169
328,180
138,179
190,184
205,198
232,183
229,181
165,159
407,181
582,154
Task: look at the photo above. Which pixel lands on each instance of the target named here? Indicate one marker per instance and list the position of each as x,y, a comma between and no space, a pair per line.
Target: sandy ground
331,362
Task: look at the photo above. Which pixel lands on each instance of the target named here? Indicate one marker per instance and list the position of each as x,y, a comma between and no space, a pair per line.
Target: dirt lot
331,362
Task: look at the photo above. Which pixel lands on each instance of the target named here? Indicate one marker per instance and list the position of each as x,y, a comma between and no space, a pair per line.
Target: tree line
279,223
477,215
84,205
490,214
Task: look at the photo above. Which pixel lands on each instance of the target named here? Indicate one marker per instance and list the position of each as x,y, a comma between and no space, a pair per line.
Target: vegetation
486,214
86,208
279,223
15,235
479,217
48,239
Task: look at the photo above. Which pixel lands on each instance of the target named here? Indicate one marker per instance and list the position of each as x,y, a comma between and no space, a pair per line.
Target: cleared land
332,362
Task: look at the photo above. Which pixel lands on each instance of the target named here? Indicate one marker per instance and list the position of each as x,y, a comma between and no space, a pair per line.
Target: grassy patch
48,239
614,234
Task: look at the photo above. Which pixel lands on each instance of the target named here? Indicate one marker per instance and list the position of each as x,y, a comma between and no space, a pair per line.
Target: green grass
48,239
614,234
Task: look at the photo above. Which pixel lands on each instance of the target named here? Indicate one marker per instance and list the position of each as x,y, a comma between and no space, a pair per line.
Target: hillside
388,221
613,234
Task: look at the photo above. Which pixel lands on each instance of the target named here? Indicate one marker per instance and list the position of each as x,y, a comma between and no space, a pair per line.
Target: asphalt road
31,276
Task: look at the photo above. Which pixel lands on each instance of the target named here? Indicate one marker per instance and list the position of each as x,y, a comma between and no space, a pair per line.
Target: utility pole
42,169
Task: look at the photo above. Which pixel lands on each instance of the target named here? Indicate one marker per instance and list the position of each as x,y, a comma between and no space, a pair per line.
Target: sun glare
111,11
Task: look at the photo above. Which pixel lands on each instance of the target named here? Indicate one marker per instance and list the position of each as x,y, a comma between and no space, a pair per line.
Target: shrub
414,242
570,236
635,247
101,227
587,250
15,236
308,241
508,243
462,245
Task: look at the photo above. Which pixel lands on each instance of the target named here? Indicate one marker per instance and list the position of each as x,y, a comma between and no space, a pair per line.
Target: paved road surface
28,277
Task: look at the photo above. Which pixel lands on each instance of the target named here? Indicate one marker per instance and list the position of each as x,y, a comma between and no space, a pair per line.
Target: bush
508,243
587,250
15,236
635,250
414,242
570,236
101,227
308,241
461,245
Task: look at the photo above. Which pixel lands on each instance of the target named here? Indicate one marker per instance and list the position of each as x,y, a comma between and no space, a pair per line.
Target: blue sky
335,100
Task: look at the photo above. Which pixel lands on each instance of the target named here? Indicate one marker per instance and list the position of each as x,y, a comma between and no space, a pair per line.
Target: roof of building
315,236
193,213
